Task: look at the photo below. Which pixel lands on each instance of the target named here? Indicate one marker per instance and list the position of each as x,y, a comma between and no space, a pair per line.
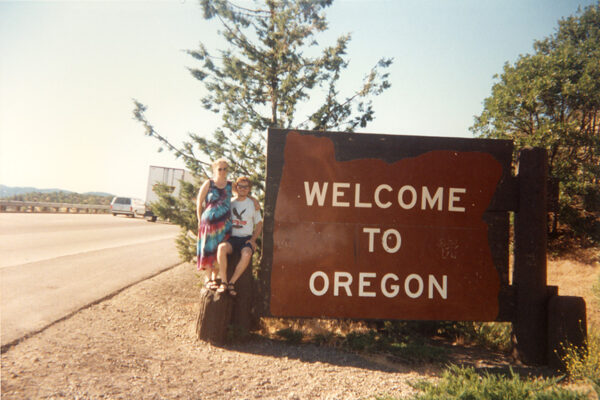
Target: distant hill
101,194
53,195
7,191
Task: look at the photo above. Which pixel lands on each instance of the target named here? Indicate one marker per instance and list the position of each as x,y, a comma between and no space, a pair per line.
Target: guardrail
43,207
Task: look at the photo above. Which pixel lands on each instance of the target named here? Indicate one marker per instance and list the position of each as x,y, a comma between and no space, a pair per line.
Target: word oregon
383,196
414,286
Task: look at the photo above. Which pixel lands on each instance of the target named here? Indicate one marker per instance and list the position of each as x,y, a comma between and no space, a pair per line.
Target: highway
52,265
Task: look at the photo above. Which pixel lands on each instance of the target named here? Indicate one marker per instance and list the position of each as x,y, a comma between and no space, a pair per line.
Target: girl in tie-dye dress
214,218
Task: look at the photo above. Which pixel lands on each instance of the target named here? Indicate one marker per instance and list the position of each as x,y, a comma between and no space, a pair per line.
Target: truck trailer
171,177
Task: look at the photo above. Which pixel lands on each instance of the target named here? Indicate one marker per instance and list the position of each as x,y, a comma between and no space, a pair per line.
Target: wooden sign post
403,227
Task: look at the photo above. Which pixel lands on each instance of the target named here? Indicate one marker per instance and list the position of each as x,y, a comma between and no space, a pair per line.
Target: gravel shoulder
141,344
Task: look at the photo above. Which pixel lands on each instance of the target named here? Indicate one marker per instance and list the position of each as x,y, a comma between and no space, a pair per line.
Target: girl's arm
256,203
201,197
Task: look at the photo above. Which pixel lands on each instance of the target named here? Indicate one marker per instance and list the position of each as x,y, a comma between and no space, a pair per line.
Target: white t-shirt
243,217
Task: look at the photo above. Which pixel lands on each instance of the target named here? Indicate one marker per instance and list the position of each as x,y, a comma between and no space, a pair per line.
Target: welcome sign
382,226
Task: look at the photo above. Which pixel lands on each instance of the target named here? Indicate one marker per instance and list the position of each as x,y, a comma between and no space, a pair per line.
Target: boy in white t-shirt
246,227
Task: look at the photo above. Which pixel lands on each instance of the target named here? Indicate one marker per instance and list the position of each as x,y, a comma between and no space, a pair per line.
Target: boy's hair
240,180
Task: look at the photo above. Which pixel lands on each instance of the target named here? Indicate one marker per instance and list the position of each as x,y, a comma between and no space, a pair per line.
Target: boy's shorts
238,243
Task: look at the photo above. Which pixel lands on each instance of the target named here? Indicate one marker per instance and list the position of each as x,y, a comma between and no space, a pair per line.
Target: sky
69,71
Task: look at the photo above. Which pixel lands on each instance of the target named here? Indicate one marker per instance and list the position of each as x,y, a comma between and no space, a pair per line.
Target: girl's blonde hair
219,161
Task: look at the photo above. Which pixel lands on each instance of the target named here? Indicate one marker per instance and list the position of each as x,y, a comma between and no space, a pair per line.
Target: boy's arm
255,235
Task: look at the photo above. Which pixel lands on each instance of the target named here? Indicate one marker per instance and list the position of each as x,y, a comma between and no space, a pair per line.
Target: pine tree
260,81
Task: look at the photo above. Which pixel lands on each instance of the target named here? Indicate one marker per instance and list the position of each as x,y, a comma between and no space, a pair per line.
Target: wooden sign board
383,226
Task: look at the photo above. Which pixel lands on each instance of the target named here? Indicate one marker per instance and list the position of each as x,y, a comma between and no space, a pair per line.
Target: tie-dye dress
215,224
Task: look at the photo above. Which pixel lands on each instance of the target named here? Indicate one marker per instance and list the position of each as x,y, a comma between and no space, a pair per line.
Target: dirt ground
141,344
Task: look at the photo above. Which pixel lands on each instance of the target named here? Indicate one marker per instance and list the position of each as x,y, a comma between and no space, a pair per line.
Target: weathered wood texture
214,316
392,148
221,314
529,275
243,315
567,326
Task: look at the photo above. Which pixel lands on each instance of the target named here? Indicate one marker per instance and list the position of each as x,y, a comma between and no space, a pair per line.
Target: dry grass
575,275
311,327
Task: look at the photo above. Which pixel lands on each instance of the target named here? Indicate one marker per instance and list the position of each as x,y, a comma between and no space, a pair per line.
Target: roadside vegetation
403,341
467,383
62,197
583,363
400,342
418,343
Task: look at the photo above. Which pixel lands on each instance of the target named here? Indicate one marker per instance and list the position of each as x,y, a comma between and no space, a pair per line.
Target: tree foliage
62,197
551,99
179,210
272,68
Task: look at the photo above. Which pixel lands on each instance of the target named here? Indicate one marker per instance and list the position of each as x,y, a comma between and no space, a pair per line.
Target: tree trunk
243,316
214,316
566,327
220,312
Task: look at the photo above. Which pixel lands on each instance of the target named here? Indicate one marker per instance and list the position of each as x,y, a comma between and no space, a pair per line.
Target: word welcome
407,196
414,285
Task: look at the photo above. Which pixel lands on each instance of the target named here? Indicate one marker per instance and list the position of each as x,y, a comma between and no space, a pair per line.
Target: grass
404,341
467,384
583,369
583,363
408,349
398,340
491,335
596,290
290,335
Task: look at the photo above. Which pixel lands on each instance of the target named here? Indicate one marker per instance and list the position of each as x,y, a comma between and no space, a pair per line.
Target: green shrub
405,348
417,352
368,341
290,335
321,339
467,384
493,335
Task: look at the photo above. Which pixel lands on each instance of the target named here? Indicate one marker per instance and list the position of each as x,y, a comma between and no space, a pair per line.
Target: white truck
171,177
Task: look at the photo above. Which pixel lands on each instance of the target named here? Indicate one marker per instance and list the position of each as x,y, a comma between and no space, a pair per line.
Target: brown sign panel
370,238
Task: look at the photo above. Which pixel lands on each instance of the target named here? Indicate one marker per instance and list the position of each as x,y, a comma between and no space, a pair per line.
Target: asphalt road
52,265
